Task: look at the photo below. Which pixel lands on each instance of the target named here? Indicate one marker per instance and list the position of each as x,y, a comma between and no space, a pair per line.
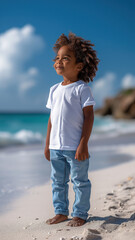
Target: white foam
110,127
21,137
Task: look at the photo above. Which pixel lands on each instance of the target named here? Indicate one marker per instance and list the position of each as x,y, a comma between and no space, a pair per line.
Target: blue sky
28,31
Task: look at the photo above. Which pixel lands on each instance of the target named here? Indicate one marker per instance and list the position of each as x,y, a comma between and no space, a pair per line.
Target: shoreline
98,139
112,211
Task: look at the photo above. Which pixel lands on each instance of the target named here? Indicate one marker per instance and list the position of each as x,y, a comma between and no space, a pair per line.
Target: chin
59,72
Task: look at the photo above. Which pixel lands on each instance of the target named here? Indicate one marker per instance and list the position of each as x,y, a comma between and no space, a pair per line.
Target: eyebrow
65,55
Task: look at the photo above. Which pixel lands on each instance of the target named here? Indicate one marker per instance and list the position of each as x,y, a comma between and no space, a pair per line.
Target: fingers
47,155
81,157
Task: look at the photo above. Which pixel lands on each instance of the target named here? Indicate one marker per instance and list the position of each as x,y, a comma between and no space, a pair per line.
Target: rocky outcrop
120,106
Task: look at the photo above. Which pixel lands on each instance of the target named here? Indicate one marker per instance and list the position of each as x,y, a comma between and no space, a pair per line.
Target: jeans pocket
53,154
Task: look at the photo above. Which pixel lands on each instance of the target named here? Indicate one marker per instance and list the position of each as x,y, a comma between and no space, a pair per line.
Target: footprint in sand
91,234
111,224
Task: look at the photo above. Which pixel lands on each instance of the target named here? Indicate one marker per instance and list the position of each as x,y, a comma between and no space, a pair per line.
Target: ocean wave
23,137
103,127
113,128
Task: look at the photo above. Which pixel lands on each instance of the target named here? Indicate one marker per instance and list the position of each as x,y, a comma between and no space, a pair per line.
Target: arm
47,151
82,149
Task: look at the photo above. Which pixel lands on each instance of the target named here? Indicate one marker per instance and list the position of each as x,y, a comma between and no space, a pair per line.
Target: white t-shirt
66,103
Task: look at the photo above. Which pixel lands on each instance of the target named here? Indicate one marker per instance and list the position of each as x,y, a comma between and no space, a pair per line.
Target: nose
59,60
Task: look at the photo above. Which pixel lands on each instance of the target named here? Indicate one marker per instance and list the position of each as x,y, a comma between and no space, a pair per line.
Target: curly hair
83,52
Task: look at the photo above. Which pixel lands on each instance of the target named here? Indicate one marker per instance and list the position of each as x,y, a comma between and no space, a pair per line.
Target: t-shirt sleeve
49,101
87,97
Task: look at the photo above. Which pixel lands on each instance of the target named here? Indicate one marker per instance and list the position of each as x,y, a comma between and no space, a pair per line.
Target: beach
112,212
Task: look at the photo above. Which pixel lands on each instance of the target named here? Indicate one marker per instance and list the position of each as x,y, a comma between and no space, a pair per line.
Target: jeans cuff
82,216
66,213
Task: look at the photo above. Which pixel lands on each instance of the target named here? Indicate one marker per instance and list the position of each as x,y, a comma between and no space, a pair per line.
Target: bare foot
76,222
57,219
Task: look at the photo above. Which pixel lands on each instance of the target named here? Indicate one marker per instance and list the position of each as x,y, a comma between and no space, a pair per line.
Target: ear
80,66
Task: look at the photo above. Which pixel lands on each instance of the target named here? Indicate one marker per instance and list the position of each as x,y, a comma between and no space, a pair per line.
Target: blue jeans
63,163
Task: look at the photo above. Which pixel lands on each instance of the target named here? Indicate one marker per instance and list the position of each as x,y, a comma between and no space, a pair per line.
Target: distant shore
122,106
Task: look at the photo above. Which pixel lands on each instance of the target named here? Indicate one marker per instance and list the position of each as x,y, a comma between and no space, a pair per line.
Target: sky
29,30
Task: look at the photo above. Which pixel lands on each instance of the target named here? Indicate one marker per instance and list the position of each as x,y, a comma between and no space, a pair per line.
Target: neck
67,81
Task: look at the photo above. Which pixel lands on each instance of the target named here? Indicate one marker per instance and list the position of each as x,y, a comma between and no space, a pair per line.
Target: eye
56,58
66,58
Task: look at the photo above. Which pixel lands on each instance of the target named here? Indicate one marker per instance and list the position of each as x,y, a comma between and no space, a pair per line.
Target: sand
112,213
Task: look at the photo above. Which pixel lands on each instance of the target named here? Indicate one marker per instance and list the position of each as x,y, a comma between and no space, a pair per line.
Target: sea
31,128
22,140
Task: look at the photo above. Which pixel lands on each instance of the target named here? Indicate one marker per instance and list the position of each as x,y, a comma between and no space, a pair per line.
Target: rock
111,224
129,188
123,225
75,238
109,227
123,201
93,231
120,106
132,111
91,234
110,194
132,216
112,208
92,237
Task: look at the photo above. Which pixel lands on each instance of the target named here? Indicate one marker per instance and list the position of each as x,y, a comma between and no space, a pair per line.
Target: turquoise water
15,122
31,128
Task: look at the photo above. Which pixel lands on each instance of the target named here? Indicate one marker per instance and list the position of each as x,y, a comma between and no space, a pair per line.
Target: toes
70,224
76,222
48,221
51,221
56,219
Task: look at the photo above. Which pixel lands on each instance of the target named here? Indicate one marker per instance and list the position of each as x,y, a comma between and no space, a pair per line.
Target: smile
59,68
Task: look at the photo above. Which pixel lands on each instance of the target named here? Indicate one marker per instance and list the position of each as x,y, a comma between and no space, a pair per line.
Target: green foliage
127,91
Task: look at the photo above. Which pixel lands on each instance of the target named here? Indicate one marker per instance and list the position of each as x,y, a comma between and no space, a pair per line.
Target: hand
82,152
47,153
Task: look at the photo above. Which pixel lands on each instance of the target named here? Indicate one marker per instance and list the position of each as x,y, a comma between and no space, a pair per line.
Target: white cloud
128,81
33,71
104,87
28,79
17,46
26,85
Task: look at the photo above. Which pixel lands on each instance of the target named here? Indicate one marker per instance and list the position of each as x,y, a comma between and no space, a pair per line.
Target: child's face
65,63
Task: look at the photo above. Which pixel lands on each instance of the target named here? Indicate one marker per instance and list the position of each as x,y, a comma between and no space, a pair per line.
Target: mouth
59,67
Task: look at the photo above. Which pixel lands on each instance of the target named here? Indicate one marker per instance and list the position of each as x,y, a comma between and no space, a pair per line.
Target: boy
70,125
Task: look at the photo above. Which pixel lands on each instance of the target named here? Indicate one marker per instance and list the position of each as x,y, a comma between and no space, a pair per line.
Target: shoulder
52,89
83,87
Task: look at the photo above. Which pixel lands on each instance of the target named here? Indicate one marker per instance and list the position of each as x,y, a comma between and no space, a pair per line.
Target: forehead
65,51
